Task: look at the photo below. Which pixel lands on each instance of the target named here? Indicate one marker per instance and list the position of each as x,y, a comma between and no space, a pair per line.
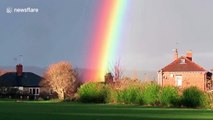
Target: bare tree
61,78
117,72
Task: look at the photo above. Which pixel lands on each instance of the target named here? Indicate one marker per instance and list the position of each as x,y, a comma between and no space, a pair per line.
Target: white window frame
37,91
179,80
182,61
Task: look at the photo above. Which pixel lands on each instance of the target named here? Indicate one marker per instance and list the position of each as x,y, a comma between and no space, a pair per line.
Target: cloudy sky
151,29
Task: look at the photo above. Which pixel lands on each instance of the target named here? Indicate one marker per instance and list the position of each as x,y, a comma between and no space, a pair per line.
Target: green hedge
169,96
193,97
111,95
151,94
146,94
92,93
129,95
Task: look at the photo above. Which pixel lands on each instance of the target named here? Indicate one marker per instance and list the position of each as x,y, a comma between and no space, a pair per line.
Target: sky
151,29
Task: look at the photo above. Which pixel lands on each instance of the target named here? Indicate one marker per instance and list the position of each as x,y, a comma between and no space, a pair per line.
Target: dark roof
177,66
28,79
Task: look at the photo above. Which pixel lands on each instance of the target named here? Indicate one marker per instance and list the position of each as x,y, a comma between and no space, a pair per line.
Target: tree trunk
61,95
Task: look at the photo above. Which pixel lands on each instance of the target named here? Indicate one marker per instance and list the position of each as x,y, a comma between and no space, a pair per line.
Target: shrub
44,95
92,93
151,94
129,95
111,94
120,98
169,96
139,97
193,97
129,90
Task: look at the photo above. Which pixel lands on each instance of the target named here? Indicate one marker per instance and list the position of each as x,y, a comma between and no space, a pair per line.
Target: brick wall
188,79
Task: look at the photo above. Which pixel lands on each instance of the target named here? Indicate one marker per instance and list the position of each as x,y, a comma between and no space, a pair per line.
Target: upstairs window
182,61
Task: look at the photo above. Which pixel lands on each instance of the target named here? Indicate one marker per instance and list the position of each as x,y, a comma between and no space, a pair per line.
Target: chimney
19,69
108,78
175,57
189,55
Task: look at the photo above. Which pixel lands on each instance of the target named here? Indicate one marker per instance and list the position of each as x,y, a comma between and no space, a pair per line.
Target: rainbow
105,37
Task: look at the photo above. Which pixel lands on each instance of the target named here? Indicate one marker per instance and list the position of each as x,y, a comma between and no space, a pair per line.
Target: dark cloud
151,29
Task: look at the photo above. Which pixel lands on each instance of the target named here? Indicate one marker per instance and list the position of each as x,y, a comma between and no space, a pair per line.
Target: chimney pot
189,55
175,54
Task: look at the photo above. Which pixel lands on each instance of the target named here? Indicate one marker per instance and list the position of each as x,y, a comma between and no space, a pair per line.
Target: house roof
28,79
182,64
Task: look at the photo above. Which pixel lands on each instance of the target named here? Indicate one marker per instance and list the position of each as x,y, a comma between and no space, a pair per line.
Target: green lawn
11,110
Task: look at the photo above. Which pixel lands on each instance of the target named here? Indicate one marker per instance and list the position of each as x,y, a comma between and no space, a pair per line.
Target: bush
169,96
44,95
193,97
151,94
139,97
92,93
120,98
129,95
111,94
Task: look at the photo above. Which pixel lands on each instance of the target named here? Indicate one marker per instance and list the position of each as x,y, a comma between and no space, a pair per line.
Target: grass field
11,110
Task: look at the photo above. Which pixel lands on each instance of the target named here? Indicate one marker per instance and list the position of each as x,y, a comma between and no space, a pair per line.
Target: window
182,61
37,91
31,92
178,80
34,91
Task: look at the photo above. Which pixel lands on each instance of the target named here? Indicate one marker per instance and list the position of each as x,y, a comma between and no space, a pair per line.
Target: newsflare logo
9,10
21,10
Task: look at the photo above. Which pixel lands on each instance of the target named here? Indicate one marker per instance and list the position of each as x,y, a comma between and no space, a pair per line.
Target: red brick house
183,73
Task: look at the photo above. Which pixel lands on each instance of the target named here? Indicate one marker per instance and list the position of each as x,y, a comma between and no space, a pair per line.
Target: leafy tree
61,78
